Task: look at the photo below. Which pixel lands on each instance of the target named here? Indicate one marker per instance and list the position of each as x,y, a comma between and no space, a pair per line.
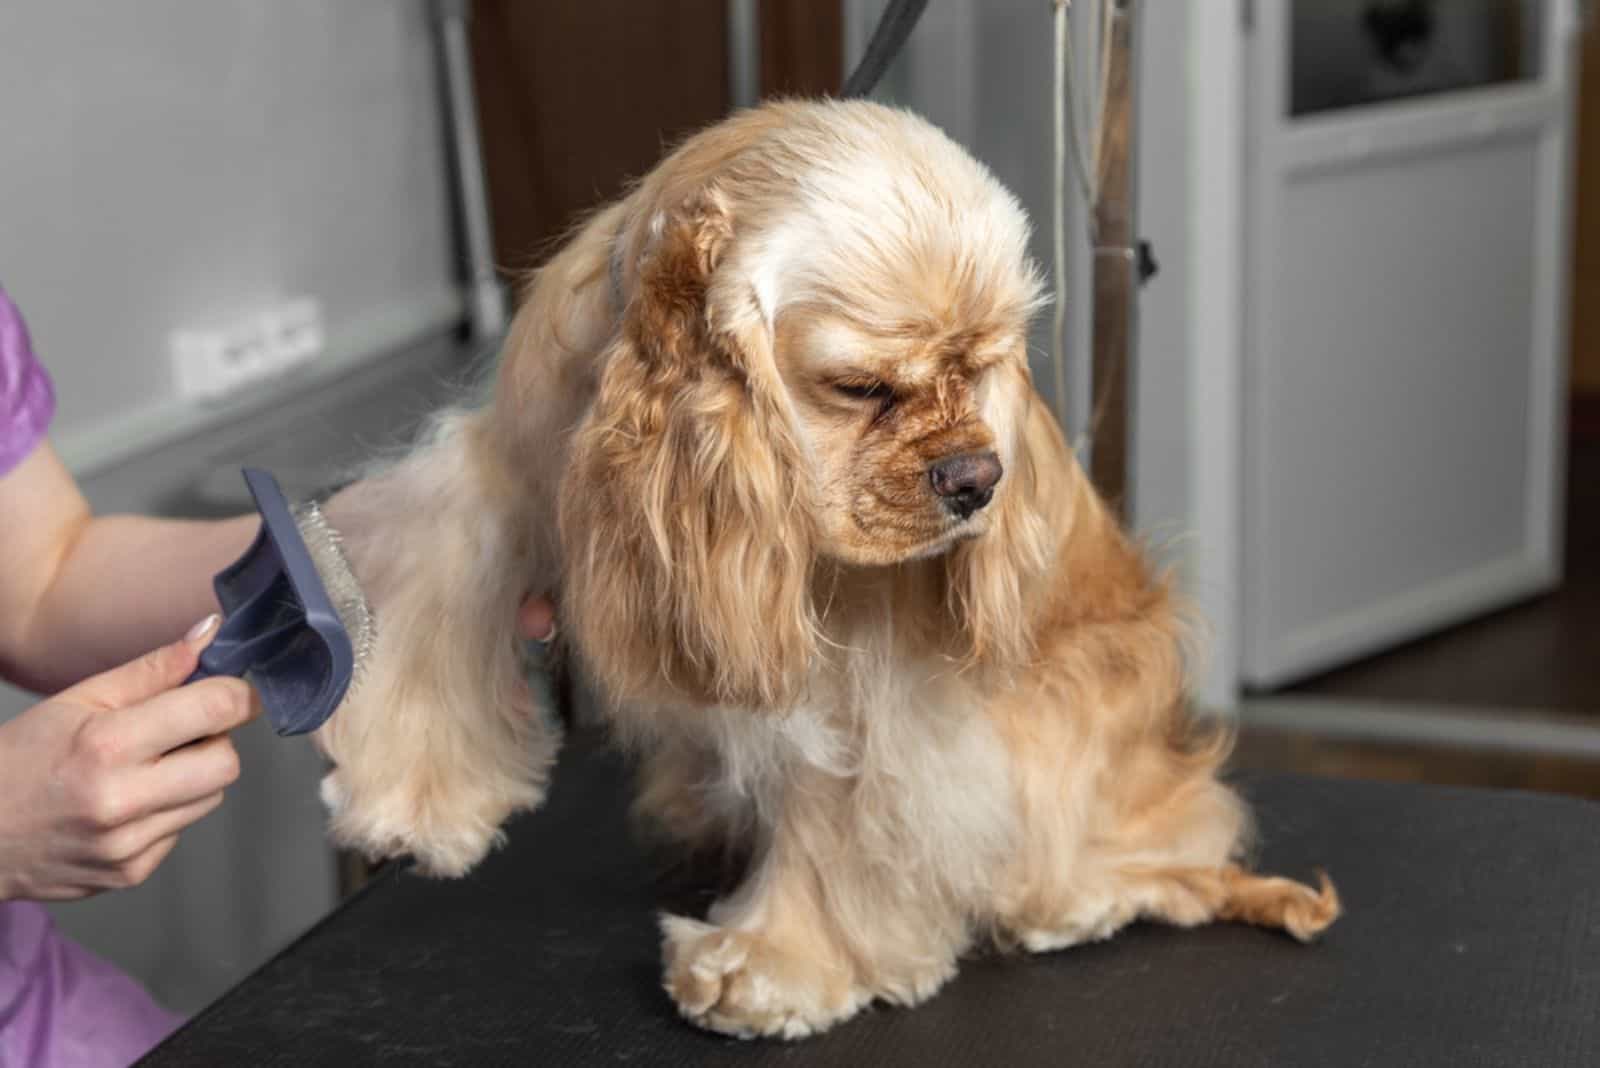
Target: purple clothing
60,1005
26,400
63,1007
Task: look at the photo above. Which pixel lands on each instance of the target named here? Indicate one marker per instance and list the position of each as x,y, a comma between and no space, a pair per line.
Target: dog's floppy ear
995,582
684,520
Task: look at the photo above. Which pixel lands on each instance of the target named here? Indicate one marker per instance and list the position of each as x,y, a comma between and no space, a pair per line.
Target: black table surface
1471,937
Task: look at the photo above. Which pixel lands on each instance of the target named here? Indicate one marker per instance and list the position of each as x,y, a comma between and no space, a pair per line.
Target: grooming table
1471,937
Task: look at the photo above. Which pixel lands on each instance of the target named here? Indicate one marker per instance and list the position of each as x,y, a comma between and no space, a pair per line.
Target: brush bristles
339,581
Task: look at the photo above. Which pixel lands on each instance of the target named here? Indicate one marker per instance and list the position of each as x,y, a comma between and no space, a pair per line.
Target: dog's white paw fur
738,983
447,830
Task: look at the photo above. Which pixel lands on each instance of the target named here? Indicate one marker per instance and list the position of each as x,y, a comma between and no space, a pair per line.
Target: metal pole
486,309
744,53
1116,266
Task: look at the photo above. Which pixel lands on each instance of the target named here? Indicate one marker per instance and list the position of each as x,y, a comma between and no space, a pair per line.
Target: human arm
80,593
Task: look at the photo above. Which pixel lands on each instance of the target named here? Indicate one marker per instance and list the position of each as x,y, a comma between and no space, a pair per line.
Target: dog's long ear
684,516
996,582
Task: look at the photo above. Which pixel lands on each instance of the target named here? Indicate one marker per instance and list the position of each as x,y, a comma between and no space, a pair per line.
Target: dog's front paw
417,775
738,983
446,832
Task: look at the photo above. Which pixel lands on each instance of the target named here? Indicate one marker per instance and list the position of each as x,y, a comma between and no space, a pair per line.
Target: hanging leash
896,24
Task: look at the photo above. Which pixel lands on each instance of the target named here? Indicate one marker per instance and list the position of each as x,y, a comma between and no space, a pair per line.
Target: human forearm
126,584
79,594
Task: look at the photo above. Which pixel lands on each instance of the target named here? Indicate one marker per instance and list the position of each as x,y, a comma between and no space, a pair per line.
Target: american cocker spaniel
767,424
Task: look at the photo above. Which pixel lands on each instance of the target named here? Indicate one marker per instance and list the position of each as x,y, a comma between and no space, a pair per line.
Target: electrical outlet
212,363
294,333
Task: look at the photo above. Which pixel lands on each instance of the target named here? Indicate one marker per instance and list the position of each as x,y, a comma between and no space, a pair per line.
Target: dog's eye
864,389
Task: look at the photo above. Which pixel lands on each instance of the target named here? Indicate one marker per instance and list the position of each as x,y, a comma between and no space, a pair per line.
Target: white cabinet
1407,227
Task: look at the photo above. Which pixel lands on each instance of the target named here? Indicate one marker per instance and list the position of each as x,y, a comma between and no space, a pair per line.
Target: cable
1068,97
1103,91
1058,341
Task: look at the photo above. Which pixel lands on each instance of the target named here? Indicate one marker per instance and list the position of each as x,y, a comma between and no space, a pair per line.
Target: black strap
887,40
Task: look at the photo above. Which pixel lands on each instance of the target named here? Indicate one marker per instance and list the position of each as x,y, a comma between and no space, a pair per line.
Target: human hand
97,782
536,619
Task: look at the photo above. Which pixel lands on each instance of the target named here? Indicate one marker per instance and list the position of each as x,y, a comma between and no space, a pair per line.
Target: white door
1406,262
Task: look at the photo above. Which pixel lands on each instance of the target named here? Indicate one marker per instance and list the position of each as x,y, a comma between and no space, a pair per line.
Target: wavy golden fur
933,709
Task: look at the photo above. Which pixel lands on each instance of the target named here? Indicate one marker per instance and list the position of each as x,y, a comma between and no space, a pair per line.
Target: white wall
176,161
173,162
1160,476
1214,92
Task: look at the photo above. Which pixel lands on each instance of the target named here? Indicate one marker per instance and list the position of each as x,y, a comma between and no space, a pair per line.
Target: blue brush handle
251,633
230,656
280,628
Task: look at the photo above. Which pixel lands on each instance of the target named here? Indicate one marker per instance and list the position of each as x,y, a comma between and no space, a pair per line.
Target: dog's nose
966,483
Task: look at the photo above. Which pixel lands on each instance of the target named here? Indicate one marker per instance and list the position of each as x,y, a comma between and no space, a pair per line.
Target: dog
766,423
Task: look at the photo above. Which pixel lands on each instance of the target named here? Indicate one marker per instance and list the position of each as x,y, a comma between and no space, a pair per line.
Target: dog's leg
1273,901
816,931
677,802
1172,862
768,964
1184,897
439,740
1188,897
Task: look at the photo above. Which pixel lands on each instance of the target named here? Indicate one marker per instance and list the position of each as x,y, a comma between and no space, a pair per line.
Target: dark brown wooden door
576,97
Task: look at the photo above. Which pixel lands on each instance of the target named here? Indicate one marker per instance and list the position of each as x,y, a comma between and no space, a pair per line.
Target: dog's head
820,356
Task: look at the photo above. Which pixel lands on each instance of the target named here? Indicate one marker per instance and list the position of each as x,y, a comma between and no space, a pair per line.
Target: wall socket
213,362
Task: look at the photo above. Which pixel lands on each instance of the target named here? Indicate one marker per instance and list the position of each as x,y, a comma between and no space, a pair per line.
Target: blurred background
1363,398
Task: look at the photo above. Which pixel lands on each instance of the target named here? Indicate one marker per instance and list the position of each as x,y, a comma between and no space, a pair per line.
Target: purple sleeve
27,400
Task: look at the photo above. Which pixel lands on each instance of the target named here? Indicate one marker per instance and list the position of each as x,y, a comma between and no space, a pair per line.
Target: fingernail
202,628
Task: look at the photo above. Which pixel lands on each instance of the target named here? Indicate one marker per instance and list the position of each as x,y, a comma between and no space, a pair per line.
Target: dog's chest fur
891,757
